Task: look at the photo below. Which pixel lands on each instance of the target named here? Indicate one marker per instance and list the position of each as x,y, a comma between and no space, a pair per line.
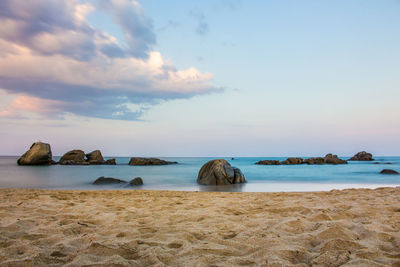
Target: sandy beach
354,227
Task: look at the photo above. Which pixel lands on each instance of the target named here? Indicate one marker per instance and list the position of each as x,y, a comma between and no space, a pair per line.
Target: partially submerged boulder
110,162
333,159
219,172
388,171
268,162
74,157
95,157
312,161
149,161
292,161
136,181
108,180
362,156
38,154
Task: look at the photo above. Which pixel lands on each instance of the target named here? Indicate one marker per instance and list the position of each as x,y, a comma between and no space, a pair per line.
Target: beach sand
355,227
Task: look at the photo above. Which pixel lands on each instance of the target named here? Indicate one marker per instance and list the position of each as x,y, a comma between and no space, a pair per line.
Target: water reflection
222,188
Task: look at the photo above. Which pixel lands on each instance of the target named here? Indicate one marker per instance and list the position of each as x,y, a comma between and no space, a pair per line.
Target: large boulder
291,161
38,154
388,171
149,161
74,157
95,157
362,156
108,180
268,162
219,172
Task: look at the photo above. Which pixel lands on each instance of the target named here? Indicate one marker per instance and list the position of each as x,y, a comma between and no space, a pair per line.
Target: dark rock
376,163
149,161
74,157
95,157
136,181
292,161
312,161
268,162
108,180
110,162
219,172
333,159
388,171
388,163
362,156
38,154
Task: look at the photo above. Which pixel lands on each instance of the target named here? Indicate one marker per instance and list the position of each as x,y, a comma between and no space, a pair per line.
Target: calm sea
183,175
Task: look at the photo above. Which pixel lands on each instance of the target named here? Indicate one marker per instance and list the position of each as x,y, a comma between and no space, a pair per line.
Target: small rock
388,171
110,162
362,156
108,180
136,181
149,161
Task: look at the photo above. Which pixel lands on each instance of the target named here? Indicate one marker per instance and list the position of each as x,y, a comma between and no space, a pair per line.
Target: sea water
182,176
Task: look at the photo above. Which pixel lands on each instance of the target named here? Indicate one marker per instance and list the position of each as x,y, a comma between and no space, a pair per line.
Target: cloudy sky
200,78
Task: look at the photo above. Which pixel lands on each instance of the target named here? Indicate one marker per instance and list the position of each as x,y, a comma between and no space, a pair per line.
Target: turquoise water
183,175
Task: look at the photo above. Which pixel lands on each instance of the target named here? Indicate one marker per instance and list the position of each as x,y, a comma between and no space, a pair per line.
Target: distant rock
74,157
268,162
292,161
333,159
362,156
95,157
38,154
110,162
312,161
388,171
136,181
149,161
219,172
108,180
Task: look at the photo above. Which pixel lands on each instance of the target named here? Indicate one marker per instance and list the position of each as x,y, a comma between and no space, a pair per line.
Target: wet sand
355,227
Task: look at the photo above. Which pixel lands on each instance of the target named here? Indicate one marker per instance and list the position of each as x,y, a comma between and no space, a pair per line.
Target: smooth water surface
183,176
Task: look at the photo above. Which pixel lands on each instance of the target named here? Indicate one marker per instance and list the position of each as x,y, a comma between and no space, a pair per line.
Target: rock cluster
362,156
109,180
38,154
219,172
328,159
149,161
77,157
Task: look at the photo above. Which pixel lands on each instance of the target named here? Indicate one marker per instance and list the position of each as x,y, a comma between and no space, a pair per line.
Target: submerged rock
74,157
219,172
268,162
38,154
95,157
136,181
149,161
388,171
108,180
362,156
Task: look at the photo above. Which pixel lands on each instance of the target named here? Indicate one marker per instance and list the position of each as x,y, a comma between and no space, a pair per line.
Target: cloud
54,62
202,25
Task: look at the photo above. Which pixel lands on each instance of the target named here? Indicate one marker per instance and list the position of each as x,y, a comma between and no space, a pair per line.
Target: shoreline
181,228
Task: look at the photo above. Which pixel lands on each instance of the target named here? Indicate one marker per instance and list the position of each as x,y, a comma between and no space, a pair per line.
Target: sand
355,227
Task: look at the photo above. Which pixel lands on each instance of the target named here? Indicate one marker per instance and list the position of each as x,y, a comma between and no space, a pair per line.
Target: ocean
183,176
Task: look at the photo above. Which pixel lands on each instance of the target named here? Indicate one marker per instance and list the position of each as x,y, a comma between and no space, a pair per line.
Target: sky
201,78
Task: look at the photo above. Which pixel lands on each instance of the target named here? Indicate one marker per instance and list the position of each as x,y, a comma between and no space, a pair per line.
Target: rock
74,157
95,157
333,159
108,180
219,172
312,161
377,163
149,161
388,171
268,162
38,154
292,161
110,162
362,156
136,181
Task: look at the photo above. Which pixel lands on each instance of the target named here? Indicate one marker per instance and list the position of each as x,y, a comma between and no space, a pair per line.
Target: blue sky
245,78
